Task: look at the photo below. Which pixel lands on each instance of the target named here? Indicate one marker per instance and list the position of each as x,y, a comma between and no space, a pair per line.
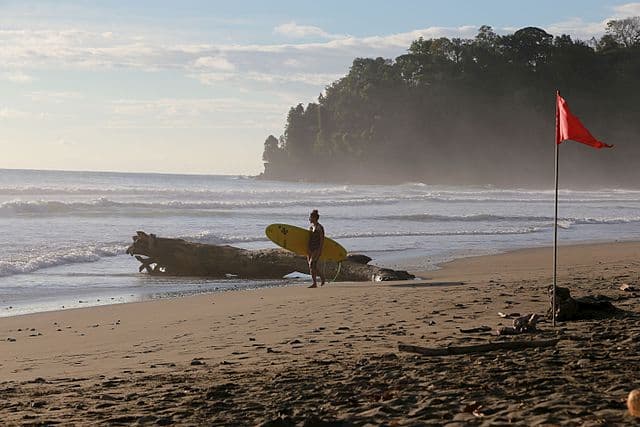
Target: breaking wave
509,218
34,260
523,230
106,206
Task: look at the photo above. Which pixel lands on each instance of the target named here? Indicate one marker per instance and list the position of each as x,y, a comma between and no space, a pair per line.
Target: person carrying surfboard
316,241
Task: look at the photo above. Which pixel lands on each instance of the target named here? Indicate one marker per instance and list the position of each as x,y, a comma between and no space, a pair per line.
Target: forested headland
473,111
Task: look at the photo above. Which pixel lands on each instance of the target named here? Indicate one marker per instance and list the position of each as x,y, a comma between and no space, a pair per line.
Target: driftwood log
587,307
479,348
177,257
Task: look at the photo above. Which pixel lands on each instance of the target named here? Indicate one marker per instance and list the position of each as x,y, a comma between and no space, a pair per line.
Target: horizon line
125,172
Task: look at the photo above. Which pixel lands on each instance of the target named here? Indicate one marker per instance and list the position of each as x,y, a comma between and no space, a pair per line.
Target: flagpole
572,129
555,223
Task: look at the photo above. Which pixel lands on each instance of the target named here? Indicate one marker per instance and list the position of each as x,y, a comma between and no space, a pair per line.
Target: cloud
192,113
626,10
577,28
213,63
314,79
250,66
56,97
64,143
191,106
77,49
314,64
581,29
293,63
10,113
16,77
293,30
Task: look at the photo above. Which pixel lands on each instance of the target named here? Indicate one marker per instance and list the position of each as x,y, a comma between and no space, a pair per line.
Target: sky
197,86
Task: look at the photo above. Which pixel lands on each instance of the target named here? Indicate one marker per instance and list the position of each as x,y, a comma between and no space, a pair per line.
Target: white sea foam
168,192
504,231
213,238
35,259
509,218
80,222
108,206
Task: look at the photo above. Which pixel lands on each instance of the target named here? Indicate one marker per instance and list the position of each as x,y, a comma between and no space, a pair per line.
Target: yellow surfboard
296,239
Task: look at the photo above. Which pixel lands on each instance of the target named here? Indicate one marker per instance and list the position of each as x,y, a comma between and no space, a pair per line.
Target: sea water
63,235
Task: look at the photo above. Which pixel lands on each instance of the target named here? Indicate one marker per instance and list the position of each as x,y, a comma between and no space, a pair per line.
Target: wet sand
329,356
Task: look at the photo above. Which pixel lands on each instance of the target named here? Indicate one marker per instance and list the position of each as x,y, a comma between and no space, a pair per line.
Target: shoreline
73,302
332,353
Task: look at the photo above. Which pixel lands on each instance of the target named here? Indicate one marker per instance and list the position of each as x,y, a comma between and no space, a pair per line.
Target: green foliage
625,32
475,110
271,149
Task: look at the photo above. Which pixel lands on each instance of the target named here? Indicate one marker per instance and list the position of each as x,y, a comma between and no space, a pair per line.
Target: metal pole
555,224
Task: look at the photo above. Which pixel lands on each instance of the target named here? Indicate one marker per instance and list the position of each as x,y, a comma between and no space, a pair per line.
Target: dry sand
329,356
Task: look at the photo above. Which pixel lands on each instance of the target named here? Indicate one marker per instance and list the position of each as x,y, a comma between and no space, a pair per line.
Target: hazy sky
197,86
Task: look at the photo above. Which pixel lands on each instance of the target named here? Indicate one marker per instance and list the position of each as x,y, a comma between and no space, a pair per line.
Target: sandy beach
329,356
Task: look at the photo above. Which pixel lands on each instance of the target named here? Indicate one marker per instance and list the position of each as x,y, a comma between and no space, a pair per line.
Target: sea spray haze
63,234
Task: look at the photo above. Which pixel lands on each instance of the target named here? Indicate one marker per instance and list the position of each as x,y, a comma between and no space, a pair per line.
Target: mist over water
63,234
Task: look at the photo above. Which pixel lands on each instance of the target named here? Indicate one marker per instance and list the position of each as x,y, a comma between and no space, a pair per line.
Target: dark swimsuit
315,240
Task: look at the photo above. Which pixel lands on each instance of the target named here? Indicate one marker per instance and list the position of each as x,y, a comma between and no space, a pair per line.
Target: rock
526,323
507,330
385,275
588,307
627,287
633,403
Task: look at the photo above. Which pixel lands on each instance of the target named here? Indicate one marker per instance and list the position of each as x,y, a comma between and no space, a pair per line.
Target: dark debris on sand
583,381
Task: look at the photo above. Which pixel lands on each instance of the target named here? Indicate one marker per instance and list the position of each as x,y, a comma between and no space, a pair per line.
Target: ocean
63,234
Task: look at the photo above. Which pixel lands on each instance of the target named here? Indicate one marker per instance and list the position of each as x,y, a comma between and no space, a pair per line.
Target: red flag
569,126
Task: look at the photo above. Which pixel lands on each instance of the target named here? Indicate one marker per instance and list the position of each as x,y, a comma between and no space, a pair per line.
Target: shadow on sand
427,285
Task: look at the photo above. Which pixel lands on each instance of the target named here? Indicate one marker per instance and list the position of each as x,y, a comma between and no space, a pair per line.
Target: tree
625,32
607,43
297,143
271,149
529,46
487,38
482,107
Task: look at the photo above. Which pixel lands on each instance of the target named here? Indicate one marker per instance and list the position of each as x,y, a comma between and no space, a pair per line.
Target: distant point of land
472,111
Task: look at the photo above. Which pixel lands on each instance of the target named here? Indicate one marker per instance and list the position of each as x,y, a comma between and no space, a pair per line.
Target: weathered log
178,257
587,307
359,258
479,348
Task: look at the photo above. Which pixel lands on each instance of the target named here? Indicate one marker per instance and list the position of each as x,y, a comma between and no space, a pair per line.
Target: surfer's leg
313,272
321,271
